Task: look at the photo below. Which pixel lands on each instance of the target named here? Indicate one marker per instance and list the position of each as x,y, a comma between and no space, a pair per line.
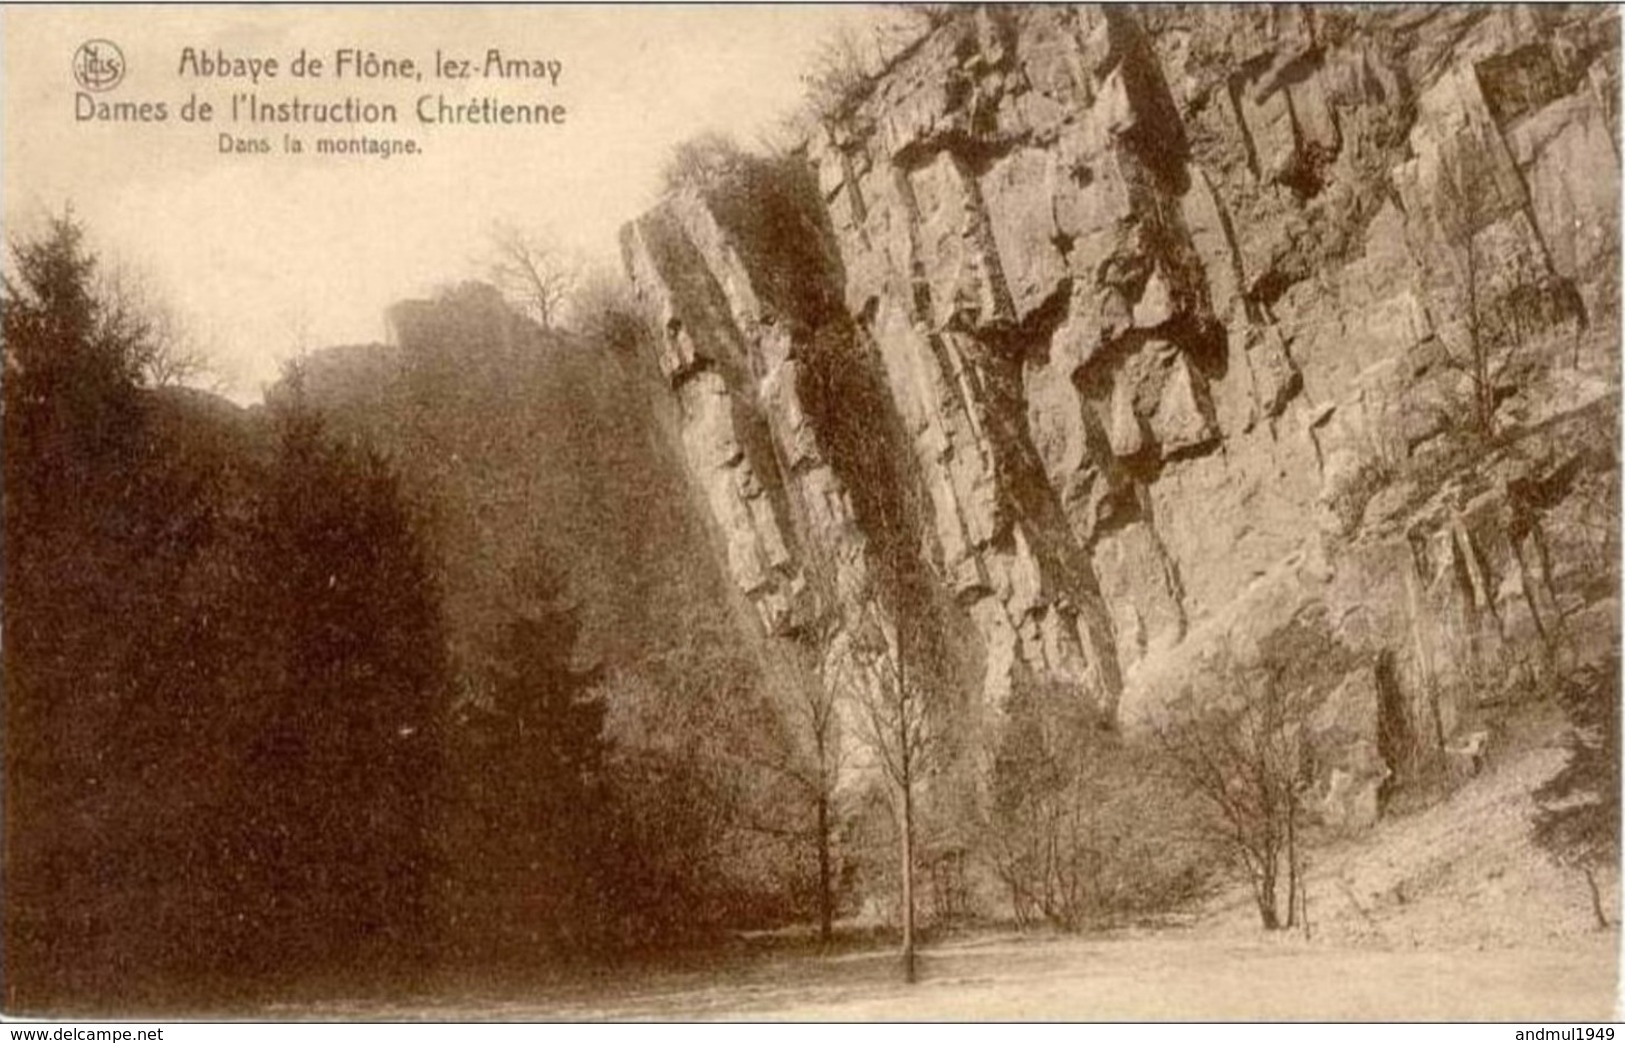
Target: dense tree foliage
528,446
306,694
102,529
345,699
1578,824
528,797
223,671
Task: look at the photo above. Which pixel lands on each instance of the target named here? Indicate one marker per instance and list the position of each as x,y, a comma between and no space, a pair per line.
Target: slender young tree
883,683
814,754
817,712
1466,210
870,654
878,677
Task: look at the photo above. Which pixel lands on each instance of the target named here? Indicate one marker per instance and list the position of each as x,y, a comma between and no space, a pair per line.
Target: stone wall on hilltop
1168,325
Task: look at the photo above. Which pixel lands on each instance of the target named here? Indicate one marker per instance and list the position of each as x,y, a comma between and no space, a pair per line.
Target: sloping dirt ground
1449,913
1464,872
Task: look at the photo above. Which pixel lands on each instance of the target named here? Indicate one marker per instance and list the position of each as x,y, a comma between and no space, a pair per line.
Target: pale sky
257,251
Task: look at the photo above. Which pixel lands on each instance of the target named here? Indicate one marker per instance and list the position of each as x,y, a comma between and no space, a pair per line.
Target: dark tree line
243,755
222,670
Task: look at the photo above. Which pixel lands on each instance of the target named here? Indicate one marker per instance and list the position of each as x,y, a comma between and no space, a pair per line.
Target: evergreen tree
1578,824
530,757
335,792
107,667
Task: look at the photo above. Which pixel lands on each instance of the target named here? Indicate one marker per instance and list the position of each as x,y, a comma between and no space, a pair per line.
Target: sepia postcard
916,512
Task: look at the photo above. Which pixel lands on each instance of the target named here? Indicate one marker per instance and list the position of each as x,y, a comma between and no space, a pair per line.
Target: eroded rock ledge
1155,321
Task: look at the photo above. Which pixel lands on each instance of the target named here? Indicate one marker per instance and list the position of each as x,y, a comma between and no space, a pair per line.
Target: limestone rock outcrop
1177,327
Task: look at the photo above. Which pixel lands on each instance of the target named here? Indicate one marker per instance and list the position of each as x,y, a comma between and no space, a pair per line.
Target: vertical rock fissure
1004,316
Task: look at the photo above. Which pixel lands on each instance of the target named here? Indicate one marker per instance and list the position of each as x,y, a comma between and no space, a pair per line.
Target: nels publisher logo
98,65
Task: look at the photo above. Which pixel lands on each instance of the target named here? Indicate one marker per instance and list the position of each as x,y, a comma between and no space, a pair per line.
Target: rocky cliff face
522,446
1145,333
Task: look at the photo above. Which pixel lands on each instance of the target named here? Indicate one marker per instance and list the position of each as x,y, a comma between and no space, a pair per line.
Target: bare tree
813,756
817,719
815,762
178,357
1466,208
1083,828
819,708
888,697
536,276
171,353
800,747
879,665
1244,758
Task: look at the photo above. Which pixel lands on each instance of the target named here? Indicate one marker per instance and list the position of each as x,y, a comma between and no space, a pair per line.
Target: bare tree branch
1244,761
170,353
536,277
